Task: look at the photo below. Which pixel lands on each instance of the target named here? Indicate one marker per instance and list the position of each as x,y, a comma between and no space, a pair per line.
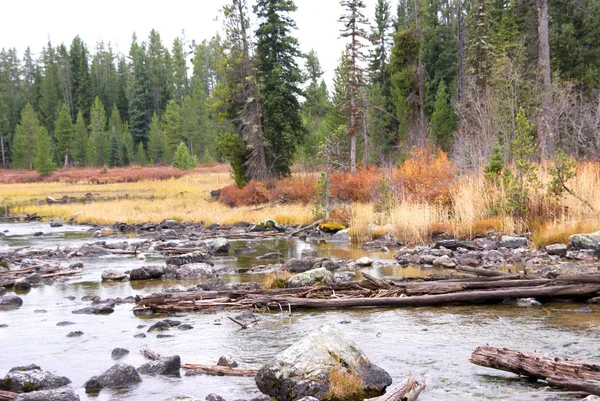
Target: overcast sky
31,23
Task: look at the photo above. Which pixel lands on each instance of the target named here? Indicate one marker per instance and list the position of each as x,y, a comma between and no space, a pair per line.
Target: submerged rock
98,309
190,271
10,301
309,278
59,394
194,257
113,275
118,353
31,378
303,369
118,376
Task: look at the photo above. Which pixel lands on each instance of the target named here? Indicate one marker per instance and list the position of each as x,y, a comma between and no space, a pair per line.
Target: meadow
423,196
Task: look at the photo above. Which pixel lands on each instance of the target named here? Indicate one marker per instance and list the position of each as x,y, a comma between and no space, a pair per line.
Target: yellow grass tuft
276,279
344,386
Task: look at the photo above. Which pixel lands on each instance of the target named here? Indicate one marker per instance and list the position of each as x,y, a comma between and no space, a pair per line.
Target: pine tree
84,95
64,135
98,132
276,53
443,120
156,145
91,154
183,160
42,160
50,89
126,147
114,154
180,77
24,143
140,155
140,97
80,141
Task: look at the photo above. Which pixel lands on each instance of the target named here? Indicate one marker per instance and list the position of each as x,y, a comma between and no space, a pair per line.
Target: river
434,344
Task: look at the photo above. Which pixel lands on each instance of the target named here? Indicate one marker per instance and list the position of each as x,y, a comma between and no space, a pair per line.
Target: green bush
183,160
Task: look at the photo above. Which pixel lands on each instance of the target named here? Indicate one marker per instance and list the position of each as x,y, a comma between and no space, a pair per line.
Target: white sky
31,23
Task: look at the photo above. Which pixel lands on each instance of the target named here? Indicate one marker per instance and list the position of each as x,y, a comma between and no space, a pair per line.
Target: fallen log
407,391
308,227
480,271
560,372
195,369
7,395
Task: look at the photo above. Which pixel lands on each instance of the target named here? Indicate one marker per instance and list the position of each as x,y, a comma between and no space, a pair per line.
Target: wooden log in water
196,369
561,372
409,390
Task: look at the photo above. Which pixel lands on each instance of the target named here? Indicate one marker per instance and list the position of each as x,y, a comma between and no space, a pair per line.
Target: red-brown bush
359,187
254,193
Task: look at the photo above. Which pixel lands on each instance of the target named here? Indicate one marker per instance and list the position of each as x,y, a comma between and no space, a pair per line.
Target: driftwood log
8,277
560,372
379,293
7,395
195,369
407,391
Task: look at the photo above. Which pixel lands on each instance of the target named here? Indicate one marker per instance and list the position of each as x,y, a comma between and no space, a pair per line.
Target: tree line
455,74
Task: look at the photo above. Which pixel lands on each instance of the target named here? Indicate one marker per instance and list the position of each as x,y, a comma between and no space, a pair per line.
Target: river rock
97,309
512,242
214,397
585,241
309,278
364,262
118,376
454,245
169,234
113,275
308,398
270,255
340,236
32,377
193,257
309,253
183,398
10,301
146,273
583,254
218,246
190,271
344,276
163,325
295,265
228,361
303,369
591,398
557,249
2,291
444,261
166,366
118,353
169,224
22,284
77,333
59,394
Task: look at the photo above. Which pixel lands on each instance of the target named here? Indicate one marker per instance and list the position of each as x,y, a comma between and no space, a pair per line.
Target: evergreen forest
470,77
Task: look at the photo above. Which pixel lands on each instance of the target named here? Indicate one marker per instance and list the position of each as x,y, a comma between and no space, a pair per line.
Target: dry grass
344,386
276,279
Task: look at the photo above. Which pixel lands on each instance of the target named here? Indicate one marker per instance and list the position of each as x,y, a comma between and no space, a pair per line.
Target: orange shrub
359,187
254,193
296,189
427,175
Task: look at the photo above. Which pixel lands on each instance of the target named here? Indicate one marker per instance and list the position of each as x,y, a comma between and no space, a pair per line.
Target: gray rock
147,273
214,397
98,309
591,398
191,271
34,278
166,366
585,241
65,323
118,353
2,291
243,251
10,301
113,275
364,262
583,254
59,394
309,278
309,398
228,361
184,327
344,276
557,249
444,261
118,376
512,242
34,376
218,246
309,253
183,398
97,234
169,224
194,257
169,234
340,236
528,302
22,284
303,369
454,245
295,265
270,255
163,325
77,333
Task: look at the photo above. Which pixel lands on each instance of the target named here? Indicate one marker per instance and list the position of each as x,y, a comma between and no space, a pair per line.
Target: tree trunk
548,143
460,60
561,372
2,144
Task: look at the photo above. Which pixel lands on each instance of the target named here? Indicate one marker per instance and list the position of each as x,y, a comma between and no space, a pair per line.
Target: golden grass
472,209
344,386
276,279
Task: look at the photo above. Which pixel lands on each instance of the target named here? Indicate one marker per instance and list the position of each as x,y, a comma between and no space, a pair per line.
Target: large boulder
304,368
166,366
218,246
59,394
194,257
113,275
585,241
10,301
31,378
146,273
190,271
309,278
119,376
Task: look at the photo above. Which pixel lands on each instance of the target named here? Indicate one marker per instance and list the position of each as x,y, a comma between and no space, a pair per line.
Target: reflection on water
432,343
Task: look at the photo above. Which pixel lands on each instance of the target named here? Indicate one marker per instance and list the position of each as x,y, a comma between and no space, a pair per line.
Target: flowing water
432,343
